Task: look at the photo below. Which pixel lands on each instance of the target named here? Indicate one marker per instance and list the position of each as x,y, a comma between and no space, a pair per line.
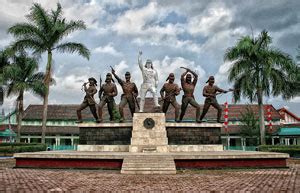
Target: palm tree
44,32
260,70
20,77
3,62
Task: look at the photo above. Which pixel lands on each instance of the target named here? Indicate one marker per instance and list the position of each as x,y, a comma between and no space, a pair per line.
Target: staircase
148,164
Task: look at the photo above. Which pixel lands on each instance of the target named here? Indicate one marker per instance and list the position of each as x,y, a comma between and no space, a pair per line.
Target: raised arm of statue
182,78
120,81
140,62
195,77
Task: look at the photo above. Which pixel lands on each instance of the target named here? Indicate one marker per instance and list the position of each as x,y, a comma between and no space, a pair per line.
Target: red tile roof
284,110
50,130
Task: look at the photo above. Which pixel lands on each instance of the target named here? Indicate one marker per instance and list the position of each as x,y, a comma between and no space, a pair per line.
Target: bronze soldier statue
89,100
109,91
130,92
188,88
168,94
210,91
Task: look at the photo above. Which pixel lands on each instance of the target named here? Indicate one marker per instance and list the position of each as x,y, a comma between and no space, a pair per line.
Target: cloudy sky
173,33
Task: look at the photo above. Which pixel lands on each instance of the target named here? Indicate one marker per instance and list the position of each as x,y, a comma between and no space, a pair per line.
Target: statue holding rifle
210,91
150,81
109,91
130,92
88,100
168,94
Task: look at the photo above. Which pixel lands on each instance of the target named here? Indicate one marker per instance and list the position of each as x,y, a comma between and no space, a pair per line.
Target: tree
44,32
260,70
3,62
20,77
250,124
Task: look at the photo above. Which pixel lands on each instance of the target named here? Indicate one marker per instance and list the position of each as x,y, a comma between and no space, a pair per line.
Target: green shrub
22,148
292,150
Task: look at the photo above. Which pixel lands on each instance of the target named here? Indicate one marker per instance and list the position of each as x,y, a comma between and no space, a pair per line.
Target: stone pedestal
149,133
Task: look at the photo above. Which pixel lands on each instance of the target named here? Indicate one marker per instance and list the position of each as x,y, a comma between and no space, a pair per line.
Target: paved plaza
241,180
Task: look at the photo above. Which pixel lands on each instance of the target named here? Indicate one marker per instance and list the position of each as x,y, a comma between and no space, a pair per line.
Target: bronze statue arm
162,90
182,78
206,94
115,91
220,90
135,90
120,81
195,77
93,91
177,90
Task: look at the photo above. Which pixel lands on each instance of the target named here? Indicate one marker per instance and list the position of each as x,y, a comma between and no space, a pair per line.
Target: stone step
149,172
148,164
136,164
148,169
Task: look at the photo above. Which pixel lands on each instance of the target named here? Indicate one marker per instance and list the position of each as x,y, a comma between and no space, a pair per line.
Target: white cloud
212,20
223,72
121,67
168,65
295,100
107,49
133,21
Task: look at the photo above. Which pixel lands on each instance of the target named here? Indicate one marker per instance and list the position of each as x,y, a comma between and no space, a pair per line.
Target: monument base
115,160
149,149
150,145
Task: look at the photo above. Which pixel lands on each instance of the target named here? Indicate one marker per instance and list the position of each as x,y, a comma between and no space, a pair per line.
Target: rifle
100,82
169,95
229,90
184,68
112,69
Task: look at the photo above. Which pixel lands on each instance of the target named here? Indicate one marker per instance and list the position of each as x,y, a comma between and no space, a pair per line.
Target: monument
109,91
150,81
130,92
188,87
168,95
210,91
150,144
88,100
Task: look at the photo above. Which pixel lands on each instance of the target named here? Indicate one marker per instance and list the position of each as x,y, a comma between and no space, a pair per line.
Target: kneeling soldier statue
210,91
168,94
109,91
88,100
130,92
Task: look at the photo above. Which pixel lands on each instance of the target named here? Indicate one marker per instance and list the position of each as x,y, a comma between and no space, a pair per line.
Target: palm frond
40,17
72,47
73,26
26,30
239,66
56,15
36,46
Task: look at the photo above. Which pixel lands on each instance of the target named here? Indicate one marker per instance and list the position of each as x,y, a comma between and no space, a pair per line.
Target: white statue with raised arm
150,81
